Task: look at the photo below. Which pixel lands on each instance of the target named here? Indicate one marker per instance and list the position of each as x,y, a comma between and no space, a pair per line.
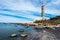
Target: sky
21,11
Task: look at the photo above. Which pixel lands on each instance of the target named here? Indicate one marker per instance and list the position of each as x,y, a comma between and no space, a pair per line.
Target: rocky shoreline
39,25
43,34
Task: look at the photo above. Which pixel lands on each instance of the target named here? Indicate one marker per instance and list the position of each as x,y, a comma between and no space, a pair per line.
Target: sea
7,29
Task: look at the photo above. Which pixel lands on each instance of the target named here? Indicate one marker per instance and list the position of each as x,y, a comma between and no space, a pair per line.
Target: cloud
56,2
21,5
53,7
18,13
8,19
27,10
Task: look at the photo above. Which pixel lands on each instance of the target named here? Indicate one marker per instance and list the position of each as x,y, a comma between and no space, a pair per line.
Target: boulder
13,35
21,30
23,35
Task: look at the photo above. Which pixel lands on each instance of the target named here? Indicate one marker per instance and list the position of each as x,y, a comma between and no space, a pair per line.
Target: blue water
6,29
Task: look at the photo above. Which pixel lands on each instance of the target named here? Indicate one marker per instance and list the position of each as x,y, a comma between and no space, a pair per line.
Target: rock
47,37
47,27
53,28
23,35
27,27
44,31
13,35
36,28
21,30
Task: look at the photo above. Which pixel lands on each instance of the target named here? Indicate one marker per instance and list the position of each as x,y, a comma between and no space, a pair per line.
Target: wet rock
47,27
47,37
42,35
13,35
53,28
21,30
23,35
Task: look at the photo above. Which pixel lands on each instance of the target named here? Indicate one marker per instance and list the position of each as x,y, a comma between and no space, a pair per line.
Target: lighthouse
42,13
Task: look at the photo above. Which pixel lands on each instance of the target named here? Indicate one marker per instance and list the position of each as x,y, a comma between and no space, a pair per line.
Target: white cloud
8,19
56,2
40,18
21,5
23,14
24,6
53,7
53,11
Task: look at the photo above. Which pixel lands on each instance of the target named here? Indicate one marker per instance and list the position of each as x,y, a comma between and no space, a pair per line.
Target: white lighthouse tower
42,13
